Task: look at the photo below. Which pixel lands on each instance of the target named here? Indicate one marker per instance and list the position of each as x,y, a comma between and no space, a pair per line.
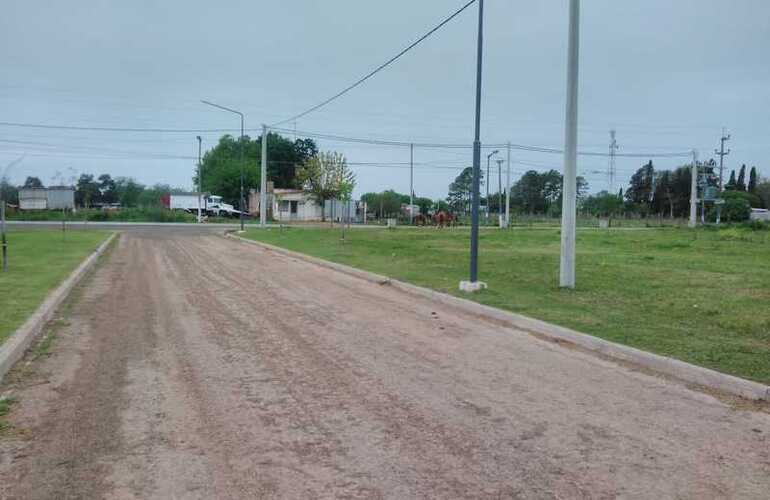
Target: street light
200,180
473,284
240,150
490,155
499,187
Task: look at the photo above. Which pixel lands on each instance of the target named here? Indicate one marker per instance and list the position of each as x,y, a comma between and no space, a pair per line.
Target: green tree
425,204
460,190
602,204
640,189
107,193
731,183
87,191
9,192
128,191
763,193
752,187
736,208
326,176
740,185
33,182
221,166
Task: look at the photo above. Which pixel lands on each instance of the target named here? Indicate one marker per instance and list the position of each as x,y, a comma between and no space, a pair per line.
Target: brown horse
443,219
420,220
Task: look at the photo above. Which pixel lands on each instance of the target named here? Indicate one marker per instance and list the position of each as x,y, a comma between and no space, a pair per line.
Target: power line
378,68
116,129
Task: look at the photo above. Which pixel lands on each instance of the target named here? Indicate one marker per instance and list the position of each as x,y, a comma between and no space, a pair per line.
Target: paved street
192,366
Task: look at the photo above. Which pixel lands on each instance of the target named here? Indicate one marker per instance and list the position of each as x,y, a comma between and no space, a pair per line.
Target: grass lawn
702,296
37,262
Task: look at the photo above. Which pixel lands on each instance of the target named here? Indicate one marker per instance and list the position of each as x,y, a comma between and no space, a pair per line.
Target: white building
288,205
52,198
285,205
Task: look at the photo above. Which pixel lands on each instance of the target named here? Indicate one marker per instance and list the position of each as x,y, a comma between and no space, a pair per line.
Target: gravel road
191,366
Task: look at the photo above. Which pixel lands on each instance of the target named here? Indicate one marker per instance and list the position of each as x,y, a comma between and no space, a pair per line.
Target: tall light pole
473,284
263,181
499,187
508,188
200,180
411,184
490,155
569,203
694,190
240,151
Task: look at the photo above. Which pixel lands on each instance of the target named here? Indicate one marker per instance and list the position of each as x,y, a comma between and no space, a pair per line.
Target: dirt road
191,366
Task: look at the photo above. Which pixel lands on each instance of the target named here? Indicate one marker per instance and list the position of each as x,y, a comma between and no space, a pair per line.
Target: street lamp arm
223,107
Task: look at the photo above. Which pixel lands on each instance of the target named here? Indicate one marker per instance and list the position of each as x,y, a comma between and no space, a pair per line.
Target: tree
752,187
33,182
763,192
128,191
460,191
425,204
731,183
221,166
663,198
87,191
736,207
741,184
326,176
8,192
640,189
107,193
602,204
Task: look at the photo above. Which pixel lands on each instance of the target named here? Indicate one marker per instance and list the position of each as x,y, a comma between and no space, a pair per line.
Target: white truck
211,205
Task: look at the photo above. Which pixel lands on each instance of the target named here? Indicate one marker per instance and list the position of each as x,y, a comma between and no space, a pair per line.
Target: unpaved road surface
191,366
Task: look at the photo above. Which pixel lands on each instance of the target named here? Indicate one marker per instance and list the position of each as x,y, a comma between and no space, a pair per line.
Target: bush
736,208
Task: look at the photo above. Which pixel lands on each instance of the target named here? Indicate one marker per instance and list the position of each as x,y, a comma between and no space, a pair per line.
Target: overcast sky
666,75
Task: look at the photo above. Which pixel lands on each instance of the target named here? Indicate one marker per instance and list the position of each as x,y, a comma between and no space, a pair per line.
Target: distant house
51,198
286,205
60,197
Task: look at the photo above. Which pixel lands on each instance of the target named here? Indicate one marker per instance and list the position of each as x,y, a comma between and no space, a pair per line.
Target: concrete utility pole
200,182
473,284
569,203
3,241
499,188
694,190
263,181
486,203
722,153
611,166
411,184
508,188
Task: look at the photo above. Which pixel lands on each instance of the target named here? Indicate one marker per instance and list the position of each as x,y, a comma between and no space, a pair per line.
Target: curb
681,370
16,345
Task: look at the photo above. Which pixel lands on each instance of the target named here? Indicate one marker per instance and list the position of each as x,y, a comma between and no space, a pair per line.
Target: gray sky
667,75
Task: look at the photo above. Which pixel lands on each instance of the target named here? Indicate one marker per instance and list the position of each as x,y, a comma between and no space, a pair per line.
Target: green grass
155,214
700,296
37,262
5,409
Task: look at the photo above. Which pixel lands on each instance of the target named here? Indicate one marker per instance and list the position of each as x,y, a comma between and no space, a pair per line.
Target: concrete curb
685,372
16,345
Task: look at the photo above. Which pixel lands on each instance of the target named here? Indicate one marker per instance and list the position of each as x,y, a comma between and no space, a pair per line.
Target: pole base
472,286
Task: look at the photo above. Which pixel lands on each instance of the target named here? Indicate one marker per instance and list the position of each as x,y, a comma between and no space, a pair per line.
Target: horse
442,219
